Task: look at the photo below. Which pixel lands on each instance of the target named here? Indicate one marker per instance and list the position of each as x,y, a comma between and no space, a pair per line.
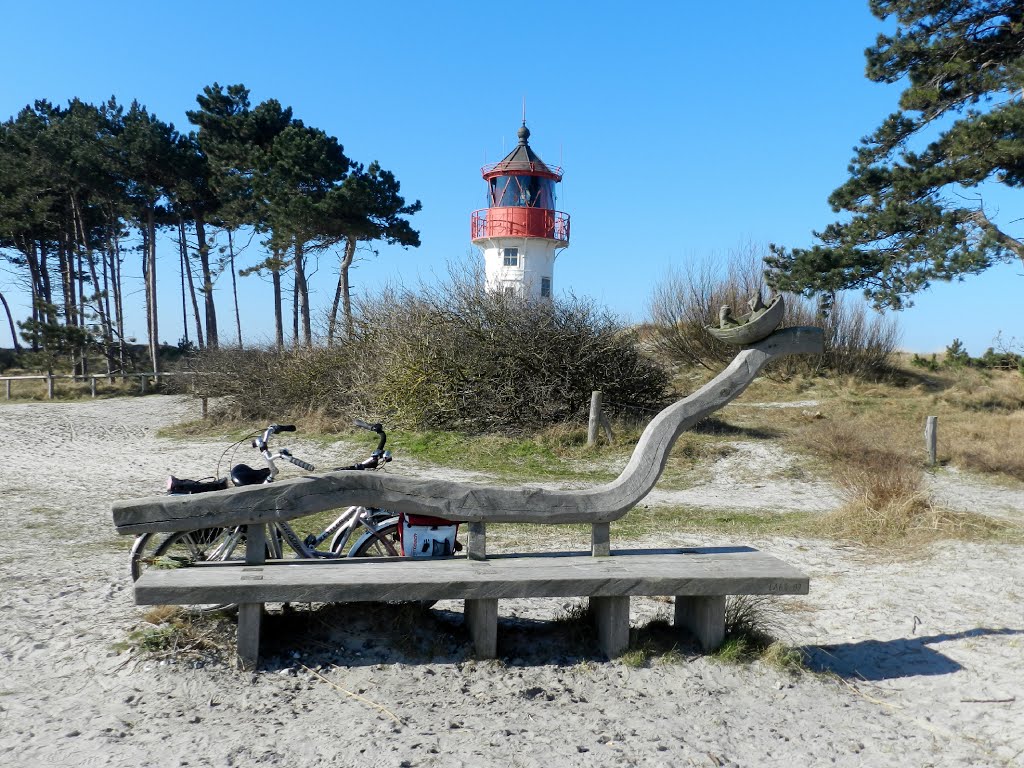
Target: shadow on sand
890,659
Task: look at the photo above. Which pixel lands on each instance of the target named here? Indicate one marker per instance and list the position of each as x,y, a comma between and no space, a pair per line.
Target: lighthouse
520,232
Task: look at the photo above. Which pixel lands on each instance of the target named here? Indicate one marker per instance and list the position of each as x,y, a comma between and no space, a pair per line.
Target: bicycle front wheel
142,553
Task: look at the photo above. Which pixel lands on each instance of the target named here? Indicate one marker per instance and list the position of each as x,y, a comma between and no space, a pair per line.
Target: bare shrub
448,356
689,299
455,357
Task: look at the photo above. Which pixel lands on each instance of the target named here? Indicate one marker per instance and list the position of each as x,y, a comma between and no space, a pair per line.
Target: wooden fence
50,378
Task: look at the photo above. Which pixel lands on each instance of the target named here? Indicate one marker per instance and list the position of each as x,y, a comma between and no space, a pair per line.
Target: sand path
923,658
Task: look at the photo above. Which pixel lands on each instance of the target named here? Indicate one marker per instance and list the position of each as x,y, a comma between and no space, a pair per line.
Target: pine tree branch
1011,243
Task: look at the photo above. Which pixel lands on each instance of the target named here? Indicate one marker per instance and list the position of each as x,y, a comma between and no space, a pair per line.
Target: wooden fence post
8,383
49,385
931,428
595,417
142,384
92,385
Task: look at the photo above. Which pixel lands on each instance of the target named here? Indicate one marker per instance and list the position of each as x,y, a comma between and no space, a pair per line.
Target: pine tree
960,125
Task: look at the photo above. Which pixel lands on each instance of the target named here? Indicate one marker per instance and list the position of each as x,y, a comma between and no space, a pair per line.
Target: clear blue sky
685,129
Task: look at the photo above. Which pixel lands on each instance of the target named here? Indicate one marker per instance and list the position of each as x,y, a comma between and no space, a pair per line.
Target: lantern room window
521,192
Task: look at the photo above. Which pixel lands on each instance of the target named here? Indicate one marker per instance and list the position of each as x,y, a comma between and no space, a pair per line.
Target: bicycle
379,530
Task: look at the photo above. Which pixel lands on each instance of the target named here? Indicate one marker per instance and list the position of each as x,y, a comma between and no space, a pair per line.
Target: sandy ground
918,662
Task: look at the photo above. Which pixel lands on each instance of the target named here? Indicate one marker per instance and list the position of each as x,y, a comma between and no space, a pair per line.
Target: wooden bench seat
698,578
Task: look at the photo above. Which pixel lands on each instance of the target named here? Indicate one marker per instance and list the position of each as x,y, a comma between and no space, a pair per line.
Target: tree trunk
342,289
10,320
106,331
295,310
44,271
346,293
192,293
154,330
182,248
302,292
204,261
115,271
234,286
278,315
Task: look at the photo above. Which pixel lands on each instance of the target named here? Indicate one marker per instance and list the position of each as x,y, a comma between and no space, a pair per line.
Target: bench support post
477,541
250,614
704,617
600,540
482,620
611,615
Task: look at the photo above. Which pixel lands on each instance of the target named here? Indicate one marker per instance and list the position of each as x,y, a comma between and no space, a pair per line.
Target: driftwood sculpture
752,327
462,501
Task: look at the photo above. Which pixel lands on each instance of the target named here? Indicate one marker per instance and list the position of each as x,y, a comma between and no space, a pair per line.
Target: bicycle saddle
243,474
178,485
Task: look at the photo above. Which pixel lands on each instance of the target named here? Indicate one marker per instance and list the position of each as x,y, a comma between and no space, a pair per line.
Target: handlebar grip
300,463
285,427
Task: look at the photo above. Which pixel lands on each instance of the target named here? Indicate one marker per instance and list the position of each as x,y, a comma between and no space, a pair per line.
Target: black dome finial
524,134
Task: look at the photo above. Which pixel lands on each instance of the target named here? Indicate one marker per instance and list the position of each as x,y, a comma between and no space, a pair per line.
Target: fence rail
50,378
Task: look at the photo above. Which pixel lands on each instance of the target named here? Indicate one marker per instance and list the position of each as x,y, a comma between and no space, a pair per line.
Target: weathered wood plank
692,572
461,501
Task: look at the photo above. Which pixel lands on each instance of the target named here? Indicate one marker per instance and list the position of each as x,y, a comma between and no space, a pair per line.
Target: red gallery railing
520,222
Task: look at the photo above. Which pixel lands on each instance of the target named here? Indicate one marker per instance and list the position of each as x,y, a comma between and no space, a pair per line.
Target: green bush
928,363
956,355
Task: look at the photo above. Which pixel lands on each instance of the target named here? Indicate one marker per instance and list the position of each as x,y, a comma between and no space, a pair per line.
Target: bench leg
248,639
611,615
704,617
482,620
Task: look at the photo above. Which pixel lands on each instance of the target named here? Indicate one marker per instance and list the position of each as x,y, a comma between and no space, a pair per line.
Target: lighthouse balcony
520,222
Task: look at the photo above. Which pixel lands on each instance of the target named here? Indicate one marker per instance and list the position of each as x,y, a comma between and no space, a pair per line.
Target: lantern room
520,232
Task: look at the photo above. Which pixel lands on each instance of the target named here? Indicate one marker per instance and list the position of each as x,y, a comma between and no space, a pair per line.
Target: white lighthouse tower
520,232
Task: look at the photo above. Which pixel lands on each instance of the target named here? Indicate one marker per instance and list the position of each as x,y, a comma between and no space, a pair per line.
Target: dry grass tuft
886,504
752,623
909,521
170,633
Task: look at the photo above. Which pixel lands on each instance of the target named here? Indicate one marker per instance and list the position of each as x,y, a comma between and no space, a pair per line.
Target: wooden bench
699,579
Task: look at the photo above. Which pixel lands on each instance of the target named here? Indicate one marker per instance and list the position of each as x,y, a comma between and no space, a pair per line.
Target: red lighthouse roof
522,160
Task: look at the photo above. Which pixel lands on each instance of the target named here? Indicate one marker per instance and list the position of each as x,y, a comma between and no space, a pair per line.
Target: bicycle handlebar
283,427
378,428
299,463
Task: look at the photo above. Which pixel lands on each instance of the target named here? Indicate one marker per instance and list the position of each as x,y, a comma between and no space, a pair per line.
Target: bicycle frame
344,525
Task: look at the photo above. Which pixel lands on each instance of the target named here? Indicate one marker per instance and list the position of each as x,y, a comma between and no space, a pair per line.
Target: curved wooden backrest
463,501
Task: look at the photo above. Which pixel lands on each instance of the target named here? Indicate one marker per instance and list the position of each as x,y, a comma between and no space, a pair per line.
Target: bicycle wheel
142,553
144,549
187,547
383,543
377,546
